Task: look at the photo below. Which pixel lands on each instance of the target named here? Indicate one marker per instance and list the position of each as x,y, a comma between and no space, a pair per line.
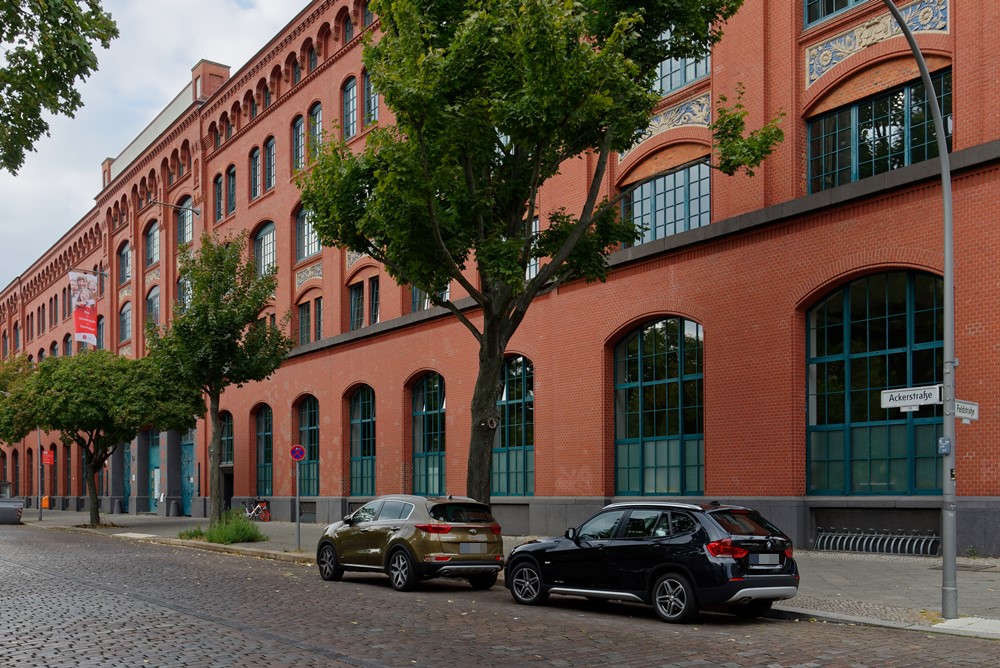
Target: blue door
187,473
153,470
126,476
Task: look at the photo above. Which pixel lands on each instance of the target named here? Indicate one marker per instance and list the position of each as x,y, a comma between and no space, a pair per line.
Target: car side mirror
571,534
348,518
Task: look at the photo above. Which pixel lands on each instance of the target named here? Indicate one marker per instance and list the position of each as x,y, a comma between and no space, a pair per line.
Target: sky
142,71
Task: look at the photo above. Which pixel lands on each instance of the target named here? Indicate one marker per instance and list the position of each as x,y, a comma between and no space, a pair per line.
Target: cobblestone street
73,599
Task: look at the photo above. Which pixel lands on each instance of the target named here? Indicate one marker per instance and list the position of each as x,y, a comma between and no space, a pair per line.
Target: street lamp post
40,470
949,577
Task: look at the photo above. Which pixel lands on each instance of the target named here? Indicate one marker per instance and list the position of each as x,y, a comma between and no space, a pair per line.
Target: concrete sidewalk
869,589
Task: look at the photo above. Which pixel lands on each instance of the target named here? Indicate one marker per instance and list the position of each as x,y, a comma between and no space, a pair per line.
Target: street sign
298,453
966,411
911,398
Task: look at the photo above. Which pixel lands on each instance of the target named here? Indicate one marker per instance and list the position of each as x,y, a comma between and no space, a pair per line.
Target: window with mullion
315,130
125,322
373,301
429,436
230,190
883,331
153,306
659,420
305,327
819,10
226,440
124,265
255,173
264,249
671,204
513,471
363,442
349,95
185,222
152,245
371,100
298,143
876,135
306,240
357,305
309,439
217,191
318,317
265,451
269,164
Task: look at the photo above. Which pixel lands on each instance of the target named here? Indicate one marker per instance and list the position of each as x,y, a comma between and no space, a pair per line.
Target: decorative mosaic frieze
354,256
696,112
920,16
125,351
312,271
125,292
152,276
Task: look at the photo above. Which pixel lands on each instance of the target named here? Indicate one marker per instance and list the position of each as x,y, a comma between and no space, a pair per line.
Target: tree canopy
491,99
218,336
46,48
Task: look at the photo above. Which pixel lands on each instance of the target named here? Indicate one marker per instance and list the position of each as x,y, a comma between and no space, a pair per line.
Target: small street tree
490,99
46,48
218,336
98,401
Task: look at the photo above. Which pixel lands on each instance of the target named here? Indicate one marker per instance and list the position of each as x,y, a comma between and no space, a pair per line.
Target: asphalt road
74,599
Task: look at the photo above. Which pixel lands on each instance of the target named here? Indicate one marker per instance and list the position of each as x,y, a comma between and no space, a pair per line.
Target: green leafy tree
490,99
218,336
98,401
46,47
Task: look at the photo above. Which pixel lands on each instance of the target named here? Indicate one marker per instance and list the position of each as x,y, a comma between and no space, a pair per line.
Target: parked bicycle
257,510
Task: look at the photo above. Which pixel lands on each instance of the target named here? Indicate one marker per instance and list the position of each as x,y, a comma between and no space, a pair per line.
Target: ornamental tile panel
312,271
920,16
125,292
695,112
353,257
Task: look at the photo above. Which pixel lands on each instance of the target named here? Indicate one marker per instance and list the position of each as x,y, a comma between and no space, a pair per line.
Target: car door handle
396,528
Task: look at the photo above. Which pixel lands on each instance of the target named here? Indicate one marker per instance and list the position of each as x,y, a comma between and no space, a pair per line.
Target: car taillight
788,552
434,528
725,548
495,528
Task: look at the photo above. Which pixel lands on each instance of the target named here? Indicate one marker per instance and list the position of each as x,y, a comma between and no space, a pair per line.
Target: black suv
678,557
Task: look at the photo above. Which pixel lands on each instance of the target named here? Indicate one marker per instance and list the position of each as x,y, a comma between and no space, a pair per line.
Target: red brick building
736,353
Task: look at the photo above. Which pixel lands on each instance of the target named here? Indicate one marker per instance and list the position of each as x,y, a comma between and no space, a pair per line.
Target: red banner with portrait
83,291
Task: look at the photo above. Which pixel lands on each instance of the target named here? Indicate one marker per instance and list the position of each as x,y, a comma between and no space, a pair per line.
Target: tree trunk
91,469
485,416
215,460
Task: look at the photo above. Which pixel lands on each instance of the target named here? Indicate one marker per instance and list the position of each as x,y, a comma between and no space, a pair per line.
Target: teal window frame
255,173
231,190
672,203
298,143
862,140
306,240
269,164
315,130
676,73
373,300
357,306
429,465
153,306
817,11
880,332
362,454
152,247
349,96
226,439
264,420
124,323
305,327
263,249
185,222
659,409
513,470
124,264
371,99
318,317
309,439
218,196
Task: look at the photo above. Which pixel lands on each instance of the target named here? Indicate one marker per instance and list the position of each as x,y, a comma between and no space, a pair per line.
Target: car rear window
462,512
744,523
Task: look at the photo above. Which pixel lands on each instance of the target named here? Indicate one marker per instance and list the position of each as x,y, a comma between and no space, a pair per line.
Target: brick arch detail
633,314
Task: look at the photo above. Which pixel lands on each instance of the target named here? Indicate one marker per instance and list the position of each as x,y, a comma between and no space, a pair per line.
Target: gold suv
413,538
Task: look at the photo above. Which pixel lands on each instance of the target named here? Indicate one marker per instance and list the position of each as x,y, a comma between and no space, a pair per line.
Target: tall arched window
367,18
659,420
309,439
265,451
100,332
217,196
429,435
363,442
880,332
371,100
255,173
269,163
153,306
315,129
226,440
311,60
124,322
298,143
348,27
263,249
230,190
349,94
152,244
124,264
514,450
306,241
185,222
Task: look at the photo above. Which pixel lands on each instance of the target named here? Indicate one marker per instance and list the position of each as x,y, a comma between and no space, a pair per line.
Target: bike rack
881,541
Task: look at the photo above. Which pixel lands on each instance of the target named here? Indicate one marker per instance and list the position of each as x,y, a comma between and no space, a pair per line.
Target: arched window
311,60
429,435
67,345
363,442
265,451
309,439
124,264
880,332
226,440
54,350
659,421
152,244
217,193
183,294
349,94
306,241
367,18
371,100
348,28
269,162
17,337
230,190
252,107
514,450
263,249
185,222
153,306
125,322
298,143
100,332
315,129
5,351
296,71
255,173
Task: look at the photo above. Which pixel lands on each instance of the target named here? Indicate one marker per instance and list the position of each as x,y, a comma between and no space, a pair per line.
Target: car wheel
673,598
483,580
526,584
329,565
401,571
751,610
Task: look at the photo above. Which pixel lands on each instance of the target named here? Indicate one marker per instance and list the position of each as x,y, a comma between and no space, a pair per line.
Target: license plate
472,548
764,559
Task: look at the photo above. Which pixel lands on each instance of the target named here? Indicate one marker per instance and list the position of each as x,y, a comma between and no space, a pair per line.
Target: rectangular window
675,73
373,298
817,10
877,135
671,204
304,326
318,316
532,269
357,306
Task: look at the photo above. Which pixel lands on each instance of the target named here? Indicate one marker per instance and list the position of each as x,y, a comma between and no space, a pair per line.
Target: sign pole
298,509
40,471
